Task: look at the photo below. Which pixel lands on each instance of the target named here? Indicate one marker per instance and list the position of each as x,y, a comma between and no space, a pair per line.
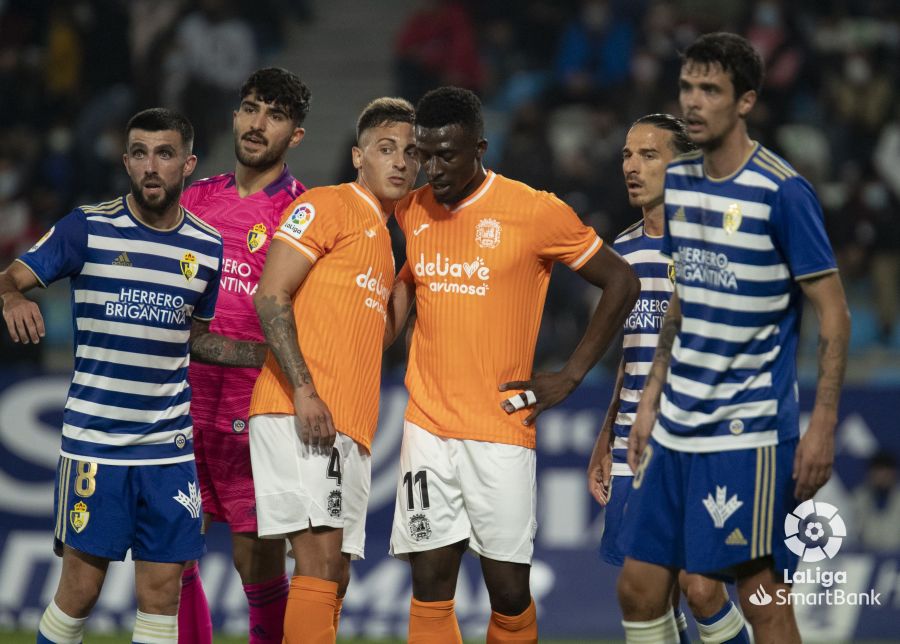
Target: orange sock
515,628
309,617
433,623
337,613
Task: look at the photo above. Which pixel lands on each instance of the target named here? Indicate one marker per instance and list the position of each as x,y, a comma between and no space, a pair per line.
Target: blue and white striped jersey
134,292
641,329
740,245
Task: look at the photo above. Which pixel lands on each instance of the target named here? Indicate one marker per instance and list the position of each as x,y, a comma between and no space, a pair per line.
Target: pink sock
194,622
267,603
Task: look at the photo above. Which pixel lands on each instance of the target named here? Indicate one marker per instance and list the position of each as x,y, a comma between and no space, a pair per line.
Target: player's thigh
94,507
157,586
80,582
737,502
653,525
499,485
169,514
429,512
614,515
297,487
229,479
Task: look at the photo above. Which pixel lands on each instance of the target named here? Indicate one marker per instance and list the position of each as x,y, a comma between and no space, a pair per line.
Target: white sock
681,622
724,629
661,630
155,629
58,627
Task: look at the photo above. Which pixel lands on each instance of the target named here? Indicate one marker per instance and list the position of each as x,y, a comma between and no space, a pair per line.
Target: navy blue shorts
708,512
106,510
610,549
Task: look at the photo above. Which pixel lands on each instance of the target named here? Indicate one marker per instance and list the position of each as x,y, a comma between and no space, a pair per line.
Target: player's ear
481,148
746,103
189,164
296,137
357,155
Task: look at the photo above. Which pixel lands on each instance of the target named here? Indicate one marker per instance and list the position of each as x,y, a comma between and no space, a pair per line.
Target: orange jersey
339,308
481,271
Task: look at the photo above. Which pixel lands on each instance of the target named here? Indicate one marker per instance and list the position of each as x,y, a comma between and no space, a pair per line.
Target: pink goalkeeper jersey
221,395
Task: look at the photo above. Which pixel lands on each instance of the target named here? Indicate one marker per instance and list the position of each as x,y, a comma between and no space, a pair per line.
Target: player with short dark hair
715,448
145,275
245,205
480,248
322,304
652,142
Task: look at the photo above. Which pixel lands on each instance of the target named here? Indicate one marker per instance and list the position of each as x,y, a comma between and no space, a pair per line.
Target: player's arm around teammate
621,287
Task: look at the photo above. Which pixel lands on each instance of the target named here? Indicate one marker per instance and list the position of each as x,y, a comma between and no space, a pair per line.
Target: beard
262,160
170,195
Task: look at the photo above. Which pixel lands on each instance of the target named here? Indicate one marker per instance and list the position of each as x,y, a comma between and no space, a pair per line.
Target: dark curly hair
159,119
451,106
736,56
281,87
680,141
383,111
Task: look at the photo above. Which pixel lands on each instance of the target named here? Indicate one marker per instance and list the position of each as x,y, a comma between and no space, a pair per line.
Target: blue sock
725,627
681,624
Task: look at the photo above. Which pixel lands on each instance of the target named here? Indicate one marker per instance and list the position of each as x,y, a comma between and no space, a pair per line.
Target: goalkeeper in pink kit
245,206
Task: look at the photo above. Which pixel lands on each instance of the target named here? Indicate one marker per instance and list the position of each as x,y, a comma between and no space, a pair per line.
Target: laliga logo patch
256,237
41,241
487,233
299,220
814,530
79,516
188,266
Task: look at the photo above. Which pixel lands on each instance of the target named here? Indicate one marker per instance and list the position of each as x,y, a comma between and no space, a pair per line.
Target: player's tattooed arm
277,320
815,451
213,348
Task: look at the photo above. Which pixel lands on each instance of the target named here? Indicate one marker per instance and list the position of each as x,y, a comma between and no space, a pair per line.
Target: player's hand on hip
316,426
23,318
639,435
813,459
542,392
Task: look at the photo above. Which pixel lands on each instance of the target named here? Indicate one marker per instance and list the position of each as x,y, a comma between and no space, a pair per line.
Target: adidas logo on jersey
122,260
736,538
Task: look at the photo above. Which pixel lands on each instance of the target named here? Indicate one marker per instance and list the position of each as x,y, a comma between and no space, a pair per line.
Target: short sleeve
311,224
562,236
798,229
60,252
205,309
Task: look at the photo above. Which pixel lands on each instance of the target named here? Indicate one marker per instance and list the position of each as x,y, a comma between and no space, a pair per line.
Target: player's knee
638,598
433,583
159,596
705,597
344,580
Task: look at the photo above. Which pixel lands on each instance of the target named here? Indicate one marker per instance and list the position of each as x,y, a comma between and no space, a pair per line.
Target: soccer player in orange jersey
322,302
480,248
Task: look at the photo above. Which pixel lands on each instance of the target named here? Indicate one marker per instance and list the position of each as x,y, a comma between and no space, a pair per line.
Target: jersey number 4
410,481
334,466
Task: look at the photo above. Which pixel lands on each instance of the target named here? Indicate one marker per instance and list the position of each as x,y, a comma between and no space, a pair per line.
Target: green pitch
27,637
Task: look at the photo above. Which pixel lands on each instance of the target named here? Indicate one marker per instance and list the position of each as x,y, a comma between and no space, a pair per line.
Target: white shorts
297,487
451,490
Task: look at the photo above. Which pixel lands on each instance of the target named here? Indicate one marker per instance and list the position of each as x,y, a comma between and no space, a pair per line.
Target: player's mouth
695,123
440,188
152,187
254,140
398,181
634,185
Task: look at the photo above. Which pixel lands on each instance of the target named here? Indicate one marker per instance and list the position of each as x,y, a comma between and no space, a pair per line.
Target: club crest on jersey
299,220
487,233
671,272
189,266
419,527
41,241
731,220
79,516
334,503
256,237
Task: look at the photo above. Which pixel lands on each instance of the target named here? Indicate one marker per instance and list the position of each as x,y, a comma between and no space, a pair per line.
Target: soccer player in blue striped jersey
715,445
651,143
144,275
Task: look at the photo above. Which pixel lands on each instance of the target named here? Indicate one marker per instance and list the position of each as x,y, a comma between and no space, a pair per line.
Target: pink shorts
226,479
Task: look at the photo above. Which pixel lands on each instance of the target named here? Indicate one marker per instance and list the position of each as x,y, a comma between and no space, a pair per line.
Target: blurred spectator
436,46
595,52
876,506
214,51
